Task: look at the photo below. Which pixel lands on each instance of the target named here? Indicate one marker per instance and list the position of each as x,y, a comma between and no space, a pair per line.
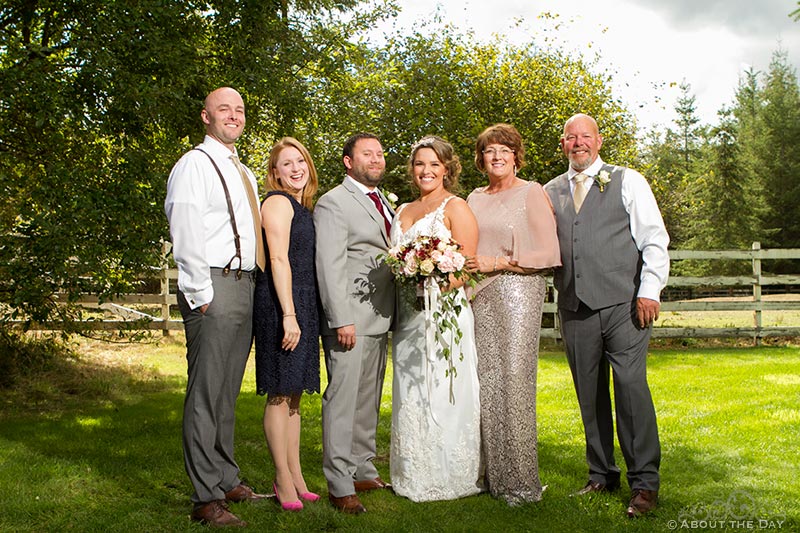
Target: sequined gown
435,445
517,224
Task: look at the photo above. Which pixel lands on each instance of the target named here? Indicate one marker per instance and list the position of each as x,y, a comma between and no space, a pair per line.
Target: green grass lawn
95,445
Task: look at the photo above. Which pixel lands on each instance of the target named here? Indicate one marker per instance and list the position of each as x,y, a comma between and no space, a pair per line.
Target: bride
435,447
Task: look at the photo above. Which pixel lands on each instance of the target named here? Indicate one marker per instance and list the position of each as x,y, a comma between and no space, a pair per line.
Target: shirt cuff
199,298
651,289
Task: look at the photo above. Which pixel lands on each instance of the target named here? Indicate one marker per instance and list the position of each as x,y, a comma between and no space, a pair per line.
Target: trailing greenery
99,450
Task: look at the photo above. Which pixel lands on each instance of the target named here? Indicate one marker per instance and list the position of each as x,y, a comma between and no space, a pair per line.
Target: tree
687,125
80,150
671,162
664,165
447,83
100,98
723,192
780,161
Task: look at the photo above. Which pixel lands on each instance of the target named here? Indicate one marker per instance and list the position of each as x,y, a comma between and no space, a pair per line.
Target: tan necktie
261,258
580,192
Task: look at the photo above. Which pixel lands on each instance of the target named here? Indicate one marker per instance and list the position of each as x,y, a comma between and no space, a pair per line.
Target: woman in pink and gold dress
517,246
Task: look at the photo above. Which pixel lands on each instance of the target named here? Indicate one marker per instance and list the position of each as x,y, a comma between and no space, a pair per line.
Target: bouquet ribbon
432,302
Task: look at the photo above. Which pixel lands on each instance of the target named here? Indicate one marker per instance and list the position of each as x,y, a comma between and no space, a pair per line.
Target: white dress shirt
647,226
366,190
199,222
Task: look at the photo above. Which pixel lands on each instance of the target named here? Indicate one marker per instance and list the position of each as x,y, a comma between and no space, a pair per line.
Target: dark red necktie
379,206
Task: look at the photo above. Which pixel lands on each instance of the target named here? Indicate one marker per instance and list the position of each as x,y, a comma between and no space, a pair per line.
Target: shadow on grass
98,447
106,445
104,439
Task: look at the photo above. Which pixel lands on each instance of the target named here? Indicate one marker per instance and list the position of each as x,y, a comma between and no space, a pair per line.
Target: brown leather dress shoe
348,504
642,502
216,514
596,486
364,485
243,493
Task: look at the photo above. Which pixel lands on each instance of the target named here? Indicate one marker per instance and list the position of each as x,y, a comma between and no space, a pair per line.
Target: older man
615,264
215,226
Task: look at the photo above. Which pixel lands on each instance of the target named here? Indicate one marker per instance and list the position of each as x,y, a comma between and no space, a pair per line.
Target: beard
368,177
580,163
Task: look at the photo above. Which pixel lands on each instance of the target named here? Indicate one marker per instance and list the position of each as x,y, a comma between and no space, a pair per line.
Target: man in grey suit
615,264
357,292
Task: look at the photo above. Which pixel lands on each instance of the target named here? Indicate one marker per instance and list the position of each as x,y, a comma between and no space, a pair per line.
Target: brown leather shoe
642,502
243,493
364,485
216,514
348,504
596,486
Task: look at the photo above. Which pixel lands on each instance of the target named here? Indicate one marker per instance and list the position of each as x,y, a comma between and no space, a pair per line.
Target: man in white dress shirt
615,264
215,233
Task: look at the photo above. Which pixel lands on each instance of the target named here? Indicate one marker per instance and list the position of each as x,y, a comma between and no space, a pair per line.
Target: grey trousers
595,340
217,347
350,410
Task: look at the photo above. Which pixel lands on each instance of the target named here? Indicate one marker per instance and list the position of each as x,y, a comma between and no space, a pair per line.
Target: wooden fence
121,314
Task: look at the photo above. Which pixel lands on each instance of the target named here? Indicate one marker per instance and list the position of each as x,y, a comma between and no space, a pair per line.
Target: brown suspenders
236,242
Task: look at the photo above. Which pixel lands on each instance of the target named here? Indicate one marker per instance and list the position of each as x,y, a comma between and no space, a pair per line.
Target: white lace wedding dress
435,447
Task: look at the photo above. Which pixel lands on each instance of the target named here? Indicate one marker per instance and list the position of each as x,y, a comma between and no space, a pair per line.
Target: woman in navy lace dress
285,313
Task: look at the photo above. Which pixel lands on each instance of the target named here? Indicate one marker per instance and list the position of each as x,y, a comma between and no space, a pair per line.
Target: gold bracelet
495,264
288,314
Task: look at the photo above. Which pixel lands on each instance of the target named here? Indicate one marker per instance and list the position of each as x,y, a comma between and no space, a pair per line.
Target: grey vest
601,265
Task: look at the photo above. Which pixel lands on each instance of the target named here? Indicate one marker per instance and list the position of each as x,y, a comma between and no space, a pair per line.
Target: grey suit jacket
355,287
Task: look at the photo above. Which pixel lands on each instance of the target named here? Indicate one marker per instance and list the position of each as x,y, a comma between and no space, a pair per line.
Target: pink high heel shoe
296,505
308,496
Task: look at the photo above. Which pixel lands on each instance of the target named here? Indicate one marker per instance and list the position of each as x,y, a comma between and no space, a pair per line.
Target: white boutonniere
603,179
391,198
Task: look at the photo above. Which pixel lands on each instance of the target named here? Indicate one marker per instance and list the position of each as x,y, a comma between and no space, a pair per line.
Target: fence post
757,291
164,275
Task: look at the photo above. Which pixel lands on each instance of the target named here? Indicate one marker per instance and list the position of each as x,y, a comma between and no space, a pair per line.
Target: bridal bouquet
427,257
426,263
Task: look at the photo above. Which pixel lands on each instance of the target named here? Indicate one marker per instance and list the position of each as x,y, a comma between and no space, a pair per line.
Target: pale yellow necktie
261,257
580,192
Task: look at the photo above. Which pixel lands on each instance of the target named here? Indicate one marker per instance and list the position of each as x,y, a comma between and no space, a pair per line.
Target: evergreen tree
671,164
687,125
781,156
663,165
722,192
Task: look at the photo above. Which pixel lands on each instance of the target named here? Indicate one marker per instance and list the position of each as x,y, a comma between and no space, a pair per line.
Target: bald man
212,209
614,265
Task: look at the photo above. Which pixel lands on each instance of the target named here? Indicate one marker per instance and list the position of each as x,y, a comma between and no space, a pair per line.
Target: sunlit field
94,445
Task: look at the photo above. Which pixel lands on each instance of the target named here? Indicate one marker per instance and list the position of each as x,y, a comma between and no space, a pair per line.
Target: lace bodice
432,224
